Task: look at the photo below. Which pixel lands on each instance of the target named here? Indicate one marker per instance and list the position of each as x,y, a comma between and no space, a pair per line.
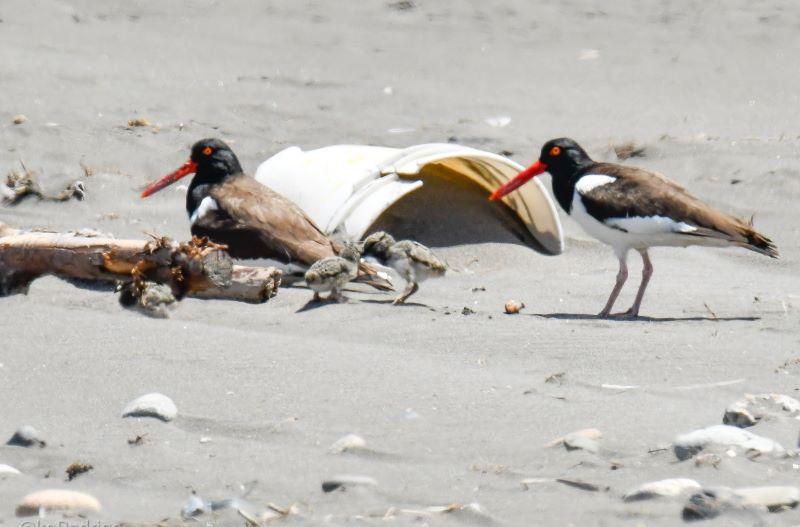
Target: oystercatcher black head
211,160
563,158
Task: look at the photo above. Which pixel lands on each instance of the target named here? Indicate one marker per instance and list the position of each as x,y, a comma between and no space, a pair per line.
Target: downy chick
413,261
333,273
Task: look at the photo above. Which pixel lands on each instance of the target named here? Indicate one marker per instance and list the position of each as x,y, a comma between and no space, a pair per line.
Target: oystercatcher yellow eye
208,151
556,150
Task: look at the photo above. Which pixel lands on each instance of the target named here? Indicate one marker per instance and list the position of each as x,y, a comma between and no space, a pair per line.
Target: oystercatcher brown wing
638,193
257,222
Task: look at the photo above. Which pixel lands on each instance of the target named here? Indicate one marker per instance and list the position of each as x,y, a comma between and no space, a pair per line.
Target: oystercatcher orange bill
520,179
190,167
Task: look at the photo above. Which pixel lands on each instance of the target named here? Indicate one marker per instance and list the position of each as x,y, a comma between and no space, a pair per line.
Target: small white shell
151,405
587,433
348,442
723,436
56,499
770,497
7,469
665,487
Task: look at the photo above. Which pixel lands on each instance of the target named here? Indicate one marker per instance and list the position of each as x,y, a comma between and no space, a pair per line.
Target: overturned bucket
350,190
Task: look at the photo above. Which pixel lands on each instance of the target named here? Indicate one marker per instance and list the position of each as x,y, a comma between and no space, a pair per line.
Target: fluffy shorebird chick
333,273
412,261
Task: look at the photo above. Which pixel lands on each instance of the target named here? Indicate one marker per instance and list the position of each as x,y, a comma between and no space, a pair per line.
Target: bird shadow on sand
316,304
584,316
390,302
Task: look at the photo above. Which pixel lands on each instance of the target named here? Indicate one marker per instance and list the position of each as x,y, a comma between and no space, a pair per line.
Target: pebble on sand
151,405
708,459
662,488
19,119
26,436
348,442
7,469
513,307
754,407
710,503
76,469
56,499
342,482
687,445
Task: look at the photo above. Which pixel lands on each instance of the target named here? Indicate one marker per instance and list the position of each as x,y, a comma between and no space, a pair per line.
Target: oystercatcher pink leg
647,272
622,277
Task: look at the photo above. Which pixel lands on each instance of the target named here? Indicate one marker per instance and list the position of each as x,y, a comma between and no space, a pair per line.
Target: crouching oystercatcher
631,208
252,220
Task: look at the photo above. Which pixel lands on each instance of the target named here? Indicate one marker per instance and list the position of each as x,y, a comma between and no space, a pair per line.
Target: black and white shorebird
631,208
331,274
252,220
413,261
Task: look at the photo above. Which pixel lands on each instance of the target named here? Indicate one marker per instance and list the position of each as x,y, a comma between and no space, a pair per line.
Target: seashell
513,307
752,408
774,498
151,405
19,119
582,485
588,433
709,503
687,445
662,488
7,469
581,442
26,436
348,442
342,482
56,500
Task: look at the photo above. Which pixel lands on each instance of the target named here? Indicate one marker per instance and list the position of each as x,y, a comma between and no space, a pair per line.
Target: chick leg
411,288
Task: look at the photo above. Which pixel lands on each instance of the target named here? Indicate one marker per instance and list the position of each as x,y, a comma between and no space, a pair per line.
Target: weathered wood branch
197,268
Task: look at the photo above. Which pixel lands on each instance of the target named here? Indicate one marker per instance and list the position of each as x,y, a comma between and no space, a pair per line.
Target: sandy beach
455,400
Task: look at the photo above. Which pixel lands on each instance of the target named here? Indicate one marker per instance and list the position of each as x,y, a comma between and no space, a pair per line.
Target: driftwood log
197,268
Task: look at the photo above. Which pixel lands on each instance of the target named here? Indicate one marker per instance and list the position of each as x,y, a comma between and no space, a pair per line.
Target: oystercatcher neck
215,162
567,162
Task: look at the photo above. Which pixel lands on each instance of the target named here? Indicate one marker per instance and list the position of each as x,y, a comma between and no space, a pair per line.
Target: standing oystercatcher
631,208
413,261
254,221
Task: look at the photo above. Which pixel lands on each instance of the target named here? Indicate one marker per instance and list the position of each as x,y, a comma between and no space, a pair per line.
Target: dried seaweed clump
168,272
20,185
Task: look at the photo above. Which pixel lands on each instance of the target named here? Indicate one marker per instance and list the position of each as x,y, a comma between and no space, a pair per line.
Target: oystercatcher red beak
190,167
520,179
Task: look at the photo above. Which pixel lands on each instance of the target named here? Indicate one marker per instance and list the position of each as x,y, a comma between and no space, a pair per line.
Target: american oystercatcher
631,208
413,261
252,220
333,273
